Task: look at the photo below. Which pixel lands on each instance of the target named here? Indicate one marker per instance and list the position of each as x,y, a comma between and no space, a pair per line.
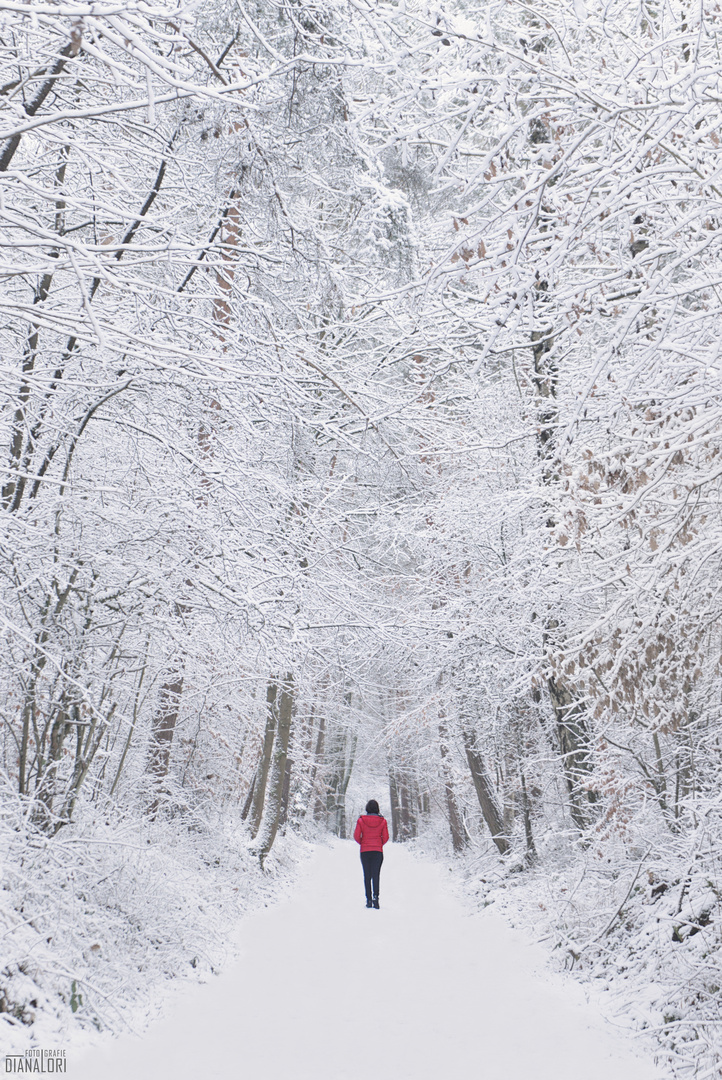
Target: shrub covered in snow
94,922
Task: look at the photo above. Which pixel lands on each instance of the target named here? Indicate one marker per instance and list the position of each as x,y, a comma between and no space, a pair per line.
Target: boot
376,902
369,904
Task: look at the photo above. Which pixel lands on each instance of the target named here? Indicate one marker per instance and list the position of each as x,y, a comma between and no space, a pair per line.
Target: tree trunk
407,793
395,806
340,753
485,793
459,839
162,732
301,791
531,853
344,787
47,770
272,809
285,795
264,765
319,807
249,797
163,727
136,704
574,748
568,711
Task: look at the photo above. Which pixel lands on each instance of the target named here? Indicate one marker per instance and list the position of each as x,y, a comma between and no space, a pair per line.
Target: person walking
371,833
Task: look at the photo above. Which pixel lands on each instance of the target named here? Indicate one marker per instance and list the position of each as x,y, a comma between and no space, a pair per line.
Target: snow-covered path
421,990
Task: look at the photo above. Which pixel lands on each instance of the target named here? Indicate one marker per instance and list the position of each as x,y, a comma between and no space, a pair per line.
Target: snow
324,988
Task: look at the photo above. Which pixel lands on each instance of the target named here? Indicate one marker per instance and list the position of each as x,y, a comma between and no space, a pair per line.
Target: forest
361,424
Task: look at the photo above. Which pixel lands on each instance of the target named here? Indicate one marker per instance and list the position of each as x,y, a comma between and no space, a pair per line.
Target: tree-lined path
421,990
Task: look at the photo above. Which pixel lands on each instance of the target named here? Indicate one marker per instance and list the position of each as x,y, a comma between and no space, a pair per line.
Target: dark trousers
371,862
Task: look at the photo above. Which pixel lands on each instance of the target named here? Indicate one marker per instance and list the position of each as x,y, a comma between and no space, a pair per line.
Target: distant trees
565,245
360,385
196,475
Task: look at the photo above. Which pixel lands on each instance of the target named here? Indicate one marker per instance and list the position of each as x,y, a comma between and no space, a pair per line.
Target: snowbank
95,922
641,926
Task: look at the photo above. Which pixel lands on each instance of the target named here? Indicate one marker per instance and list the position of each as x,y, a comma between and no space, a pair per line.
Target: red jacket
371,832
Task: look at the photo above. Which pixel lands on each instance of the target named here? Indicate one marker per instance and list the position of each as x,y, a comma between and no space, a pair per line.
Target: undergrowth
95,921
638,920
